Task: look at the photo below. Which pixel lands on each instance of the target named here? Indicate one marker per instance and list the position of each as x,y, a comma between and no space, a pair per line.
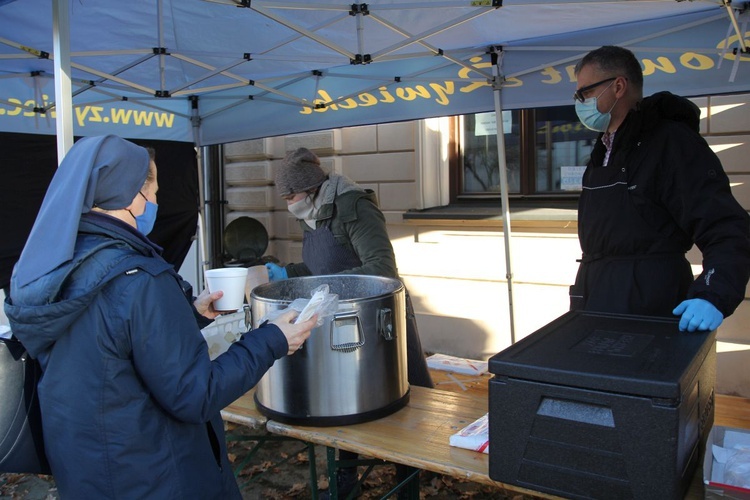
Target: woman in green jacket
344,232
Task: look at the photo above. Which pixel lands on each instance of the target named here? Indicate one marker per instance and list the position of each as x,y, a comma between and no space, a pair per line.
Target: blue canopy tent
207,73
202,72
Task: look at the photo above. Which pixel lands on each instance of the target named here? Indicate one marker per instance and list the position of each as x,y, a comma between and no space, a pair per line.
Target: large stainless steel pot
353,367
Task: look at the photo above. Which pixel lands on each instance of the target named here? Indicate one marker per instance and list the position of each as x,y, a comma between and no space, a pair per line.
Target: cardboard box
598,405
720,447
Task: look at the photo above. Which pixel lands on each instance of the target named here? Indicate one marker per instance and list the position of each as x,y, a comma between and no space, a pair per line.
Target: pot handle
347,346
248,317
385,323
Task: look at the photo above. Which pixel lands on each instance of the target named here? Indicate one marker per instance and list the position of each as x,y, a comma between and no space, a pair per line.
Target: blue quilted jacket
130,399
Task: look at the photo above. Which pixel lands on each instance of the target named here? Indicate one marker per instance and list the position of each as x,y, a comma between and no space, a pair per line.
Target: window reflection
562,148
547,157
480,155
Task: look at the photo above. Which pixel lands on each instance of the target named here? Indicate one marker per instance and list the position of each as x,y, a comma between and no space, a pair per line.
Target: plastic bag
737,468
321,302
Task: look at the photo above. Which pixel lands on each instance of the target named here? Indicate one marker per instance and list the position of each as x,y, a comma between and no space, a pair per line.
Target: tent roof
210,73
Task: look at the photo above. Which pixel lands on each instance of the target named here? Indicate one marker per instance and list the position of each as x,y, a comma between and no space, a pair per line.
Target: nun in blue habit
130,399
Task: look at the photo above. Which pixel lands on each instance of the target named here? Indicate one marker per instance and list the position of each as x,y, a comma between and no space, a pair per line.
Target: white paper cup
231,281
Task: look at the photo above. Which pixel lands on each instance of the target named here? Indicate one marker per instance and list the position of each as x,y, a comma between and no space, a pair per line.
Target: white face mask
302,209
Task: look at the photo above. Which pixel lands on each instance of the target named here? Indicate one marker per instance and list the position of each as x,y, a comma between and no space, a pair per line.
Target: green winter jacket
353,216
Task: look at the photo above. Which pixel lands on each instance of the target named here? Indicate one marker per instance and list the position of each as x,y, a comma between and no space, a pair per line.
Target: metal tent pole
63,87
497,86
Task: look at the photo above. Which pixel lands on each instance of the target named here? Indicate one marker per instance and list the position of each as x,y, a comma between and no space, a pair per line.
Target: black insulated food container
597,405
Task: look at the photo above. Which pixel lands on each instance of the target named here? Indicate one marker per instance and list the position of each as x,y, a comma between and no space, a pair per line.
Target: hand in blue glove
275,272
698,314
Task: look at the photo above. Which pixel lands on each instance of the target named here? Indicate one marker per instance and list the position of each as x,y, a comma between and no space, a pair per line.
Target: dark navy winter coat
130,399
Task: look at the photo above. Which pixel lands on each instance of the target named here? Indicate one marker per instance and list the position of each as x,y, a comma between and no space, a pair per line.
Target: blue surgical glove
275,272
698,314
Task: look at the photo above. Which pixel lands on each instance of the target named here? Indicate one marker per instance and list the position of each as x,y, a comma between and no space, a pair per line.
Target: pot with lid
352,369
245,242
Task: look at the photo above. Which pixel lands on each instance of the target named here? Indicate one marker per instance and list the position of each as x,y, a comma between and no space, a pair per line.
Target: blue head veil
106,172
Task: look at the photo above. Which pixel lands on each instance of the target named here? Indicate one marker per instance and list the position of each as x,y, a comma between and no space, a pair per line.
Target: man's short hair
616,61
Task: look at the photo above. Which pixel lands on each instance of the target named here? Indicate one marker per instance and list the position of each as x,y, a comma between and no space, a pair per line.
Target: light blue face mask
590,116
145,222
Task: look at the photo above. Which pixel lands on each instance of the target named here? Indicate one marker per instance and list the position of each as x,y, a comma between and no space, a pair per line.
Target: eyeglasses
578,95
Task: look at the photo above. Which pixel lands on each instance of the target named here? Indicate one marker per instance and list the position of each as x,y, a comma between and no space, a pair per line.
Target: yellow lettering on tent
695,61
306,110
328,99
465,72
571,71
81,115
443,91
85,114
325,99
142,118
119,115
731,41
164,119
662,64
367,99
348,103
409,94
513,82
17,110
387,97
96,114
31,103
554,75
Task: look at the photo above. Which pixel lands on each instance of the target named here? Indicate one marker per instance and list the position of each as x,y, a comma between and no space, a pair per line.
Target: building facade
452,256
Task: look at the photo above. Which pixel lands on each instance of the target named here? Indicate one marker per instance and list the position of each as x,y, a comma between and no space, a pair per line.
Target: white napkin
475,436
457,365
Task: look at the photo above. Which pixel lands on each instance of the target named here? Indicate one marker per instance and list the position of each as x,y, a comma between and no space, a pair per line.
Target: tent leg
63,87
496,62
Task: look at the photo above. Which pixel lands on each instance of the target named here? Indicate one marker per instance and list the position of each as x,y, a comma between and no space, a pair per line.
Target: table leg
313,471
409,483
333,473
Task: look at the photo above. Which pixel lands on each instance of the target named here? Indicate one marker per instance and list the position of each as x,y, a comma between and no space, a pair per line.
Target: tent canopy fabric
209,72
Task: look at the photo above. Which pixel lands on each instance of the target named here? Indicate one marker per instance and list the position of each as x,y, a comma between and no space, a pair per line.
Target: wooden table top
244,412
418,434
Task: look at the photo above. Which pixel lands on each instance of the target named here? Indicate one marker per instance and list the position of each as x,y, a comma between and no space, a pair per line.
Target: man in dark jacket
651,190
130,399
